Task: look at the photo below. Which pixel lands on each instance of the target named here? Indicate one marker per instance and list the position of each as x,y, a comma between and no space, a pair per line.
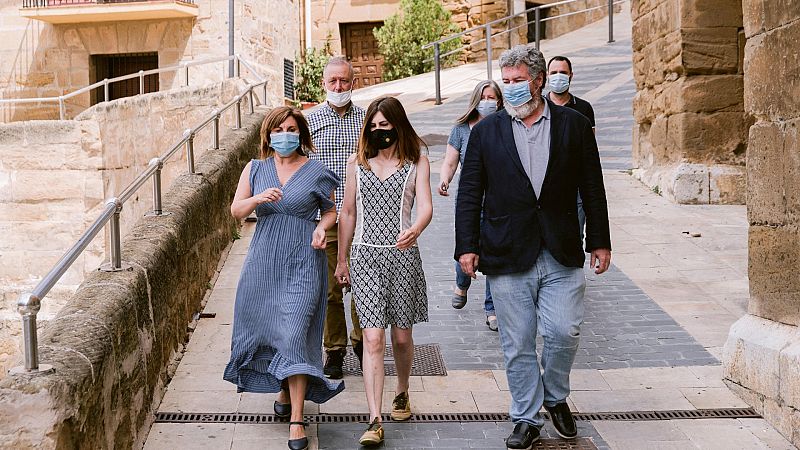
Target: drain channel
726,413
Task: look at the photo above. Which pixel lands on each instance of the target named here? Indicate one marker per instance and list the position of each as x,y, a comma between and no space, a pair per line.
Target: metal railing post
186,74
250,101
265,94
157,208
61,112
215,130
237,67
116,244
488,51
238,114
610,21
141,82
105,90
437,68
537,25
189,136
28,306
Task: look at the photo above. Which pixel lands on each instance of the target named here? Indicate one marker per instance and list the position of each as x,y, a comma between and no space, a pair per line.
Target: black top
515,223
582,106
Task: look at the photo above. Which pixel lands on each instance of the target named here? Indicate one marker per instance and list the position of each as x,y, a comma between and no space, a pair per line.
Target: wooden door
361,48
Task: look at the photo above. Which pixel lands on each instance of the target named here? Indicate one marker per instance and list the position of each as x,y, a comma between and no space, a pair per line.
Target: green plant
656,190
235,234
403,34
308,70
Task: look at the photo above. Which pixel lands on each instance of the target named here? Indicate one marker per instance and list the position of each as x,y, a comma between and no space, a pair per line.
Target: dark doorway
361,48
111,66
532,21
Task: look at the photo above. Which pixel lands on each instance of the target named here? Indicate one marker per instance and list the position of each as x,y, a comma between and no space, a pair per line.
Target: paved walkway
654,328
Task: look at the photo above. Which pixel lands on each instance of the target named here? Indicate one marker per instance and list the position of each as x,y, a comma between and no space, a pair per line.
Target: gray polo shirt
533,146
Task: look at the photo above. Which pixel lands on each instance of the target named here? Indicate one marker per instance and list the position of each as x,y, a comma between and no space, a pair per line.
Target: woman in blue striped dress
281,296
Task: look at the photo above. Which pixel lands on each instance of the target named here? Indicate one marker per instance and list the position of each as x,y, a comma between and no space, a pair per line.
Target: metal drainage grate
427,362
561,444
728,413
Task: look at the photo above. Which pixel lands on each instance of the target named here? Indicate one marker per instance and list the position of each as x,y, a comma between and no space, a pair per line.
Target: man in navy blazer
523,169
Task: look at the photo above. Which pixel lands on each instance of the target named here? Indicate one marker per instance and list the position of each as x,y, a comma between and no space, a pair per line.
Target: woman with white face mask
486,99
282,292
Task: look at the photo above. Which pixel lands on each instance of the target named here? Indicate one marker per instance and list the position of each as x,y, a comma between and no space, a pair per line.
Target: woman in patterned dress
281,296
384,178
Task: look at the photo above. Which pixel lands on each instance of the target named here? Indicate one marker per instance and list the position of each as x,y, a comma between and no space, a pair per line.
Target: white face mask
338,99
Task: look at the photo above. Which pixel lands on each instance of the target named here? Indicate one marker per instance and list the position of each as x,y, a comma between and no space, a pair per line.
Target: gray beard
524,110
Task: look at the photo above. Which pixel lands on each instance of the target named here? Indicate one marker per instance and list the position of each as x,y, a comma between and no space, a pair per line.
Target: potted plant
308,84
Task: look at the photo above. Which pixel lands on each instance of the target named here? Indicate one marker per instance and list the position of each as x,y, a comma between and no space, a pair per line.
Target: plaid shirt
336,138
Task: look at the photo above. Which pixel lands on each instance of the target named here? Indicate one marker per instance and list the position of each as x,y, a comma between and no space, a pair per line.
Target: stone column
762,355
690,138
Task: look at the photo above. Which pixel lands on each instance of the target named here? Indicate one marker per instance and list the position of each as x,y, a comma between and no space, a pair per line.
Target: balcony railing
49,3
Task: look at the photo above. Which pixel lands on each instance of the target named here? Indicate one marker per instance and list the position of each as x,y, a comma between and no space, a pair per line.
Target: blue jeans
551,296
463,282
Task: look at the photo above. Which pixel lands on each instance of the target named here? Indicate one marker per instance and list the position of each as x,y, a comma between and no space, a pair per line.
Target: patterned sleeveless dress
388,283
282,293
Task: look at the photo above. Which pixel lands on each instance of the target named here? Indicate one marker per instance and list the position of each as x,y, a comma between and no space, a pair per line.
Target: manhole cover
427,362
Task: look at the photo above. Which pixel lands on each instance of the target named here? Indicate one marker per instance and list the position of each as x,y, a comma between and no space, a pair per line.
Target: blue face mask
517,94
486,107
559,82
284,143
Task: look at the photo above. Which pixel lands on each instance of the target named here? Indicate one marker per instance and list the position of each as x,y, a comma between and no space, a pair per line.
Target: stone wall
38,59
112,344
762,355
690,138
56,175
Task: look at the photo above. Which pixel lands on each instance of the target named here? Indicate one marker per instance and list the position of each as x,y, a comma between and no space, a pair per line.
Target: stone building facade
42,59
762,355
688,67
717,115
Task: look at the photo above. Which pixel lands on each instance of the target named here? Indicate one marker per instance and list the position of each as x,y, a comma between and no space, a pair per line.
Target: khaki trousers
335,333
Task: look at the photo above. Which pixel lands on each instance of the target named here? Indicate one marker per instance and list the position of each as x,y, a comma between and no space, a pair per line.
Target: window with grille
111,66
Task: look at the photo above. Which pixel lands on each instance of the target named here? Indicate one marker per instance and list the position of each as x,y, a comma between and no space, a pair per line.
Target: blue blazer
516,224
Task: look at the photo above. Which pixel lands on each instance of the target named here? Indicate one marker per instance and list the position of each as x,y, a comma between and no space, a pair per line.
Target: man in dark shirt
559,77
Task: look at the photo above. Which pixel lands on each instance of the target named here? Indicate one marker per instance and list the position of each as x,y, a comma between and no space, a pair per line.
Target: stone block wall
762,355
690,138
113,342
56,175
38,59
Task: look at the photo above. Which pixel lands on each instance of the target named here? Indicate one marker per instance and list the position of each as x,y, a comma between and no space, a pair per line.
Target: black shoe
562,420
358,349
333,364
282,410
523,436
298,444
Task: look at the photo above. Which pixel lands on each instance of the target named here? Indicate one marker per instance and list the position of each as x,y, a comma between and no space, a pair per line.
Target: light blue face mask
486,107
559,82
284,143
517,94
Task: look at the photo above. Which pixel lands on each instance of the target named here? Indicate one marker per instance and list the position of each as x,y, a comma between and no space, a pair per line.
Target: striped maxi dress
282,293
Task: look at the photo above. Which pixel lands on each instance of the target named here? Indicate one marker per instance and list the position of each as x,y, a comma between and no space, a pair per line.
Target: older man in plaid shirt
335,129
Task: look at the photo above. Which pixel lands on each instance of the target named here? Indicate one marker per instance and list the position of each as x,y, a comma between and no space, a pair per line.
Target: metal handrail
140,74
29,303
488,35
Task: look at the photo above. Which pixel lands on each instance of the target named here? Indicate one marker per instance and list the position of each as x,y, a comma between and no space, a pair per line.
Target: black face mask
382,139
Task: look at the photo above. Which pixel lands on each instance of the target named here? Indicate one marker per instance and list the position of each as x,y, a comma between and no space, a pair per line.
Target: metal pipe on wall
307,11
230,38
